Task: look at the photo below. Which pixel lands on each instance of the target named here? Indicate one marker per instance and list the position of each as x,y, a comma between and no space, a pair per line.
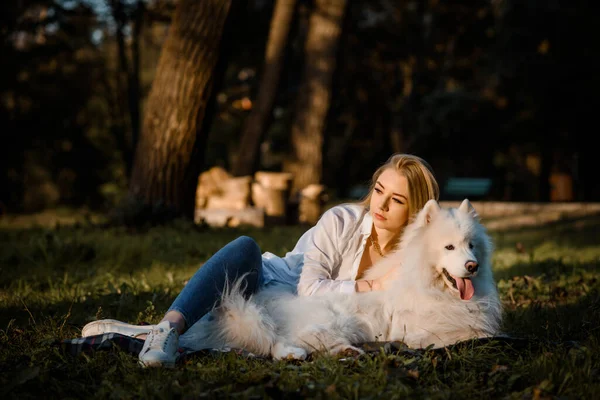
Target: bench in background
457,188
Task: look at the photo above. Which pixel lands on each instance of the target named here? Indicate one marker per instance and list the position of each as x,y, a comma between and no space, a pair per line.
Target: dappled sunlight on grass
54,281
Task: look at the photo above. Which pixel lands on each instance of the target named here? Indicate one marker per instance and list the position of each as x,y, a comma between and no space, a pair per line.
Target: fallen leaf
413,373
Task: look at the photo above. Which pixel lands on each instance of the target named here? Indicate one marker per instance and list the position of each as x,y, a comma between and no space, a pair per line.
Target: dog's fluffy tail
244,323
238,322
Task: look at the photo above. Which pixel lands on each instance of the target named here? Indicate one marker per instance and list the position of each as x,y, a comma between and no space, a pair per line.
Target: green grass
55,280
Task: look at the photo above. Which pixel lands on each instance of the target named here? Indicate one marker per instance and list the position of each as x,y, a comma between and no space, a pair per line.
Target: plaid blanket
112,341
106,341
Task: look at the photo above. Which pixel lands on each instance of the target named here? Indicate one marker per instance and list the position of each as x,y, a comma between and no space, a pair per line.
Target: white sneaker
113,326
161,347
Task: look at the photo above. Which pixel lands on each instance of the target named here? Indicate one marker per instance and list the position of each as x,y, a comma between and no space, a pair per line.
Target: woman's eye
378,191
397,201
450,247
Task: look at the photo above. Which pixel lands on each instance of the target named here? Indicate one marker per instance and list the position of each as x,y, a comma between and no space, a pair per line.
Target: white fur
416,307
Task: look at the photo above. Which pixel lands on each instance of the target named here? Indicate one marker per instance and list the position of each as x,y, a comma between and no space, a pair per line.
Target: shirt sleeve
322,258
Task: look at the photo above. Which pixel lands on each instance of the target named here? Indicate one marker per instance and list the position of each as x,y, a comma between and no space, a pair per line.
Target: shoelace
163,335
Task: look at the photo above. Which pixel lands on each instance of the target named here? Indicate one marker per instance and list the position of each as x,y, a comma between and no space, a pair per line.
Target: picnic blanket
117,341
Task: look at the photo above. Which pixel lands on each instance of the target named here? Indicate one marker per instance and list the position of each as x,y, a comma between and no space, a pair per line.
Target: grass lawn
55,280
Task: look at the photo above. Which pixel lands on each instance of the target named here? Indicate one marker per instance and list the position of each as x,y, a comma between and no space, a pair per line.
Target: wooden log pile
312,201
271,191
226,201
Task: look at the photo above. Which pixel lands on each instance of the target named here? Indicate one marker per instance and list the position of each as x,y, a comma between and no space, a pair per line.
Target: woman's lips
379,217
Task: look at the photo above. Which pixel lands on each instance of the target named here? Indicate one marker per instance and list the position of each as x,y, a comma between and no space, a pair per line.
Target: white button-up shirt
327,256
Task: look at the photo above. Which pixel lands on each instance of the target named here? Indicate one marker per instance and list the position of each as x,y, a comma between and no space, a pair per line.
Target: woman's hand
374,284
381,283
363,286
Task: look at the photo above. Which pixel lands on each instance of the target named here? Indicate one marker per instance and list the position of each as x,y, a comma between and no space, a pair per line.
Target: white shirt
327,256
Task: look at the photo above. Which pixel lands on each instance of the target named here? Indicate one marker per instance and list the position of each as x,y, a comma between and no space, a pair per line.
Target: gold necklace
376,246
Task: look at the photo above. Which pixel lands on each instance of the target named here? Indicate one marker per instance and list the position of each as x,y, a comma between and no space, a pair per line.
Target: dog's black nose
471,266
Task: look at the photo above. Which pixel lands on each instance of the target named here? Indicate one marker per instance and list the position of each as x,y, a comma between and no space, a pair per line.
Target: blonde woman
331,256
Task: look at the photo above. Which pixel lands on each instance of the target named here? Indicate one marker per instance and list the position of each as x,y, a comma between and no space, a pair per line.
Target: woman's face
389,201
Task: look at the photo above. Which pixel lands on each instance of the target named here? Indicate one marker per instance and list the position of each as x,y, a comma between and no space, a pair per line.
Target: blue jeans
203,290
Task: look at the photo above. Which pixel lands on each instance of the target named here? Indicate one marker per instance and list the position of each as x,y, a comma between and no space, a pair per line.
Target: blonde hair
422,185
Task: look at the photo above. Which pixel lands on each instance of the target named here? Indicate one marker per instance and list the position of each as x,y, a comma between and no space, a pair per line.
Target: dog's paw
286,352
347,351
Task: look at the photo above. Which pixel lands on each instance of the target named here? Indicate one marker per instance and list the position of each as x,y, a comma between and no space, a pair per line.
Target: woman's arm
367,286
322,257
370,285
376,277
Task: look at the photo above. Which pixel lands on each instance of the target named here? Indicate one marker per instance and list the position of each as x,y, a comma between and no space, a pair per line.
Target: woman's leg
204,289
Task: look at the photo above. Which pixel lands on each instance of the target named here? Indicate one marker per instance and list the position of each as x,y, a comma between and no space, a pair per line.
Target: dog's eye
450,247
471,245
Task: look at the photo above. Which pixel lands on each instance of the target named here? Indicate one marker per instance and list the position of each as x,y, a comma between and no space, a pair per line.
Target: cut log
274,180
312,200
220,218
234,193
271,191
273,201
209,184
221,202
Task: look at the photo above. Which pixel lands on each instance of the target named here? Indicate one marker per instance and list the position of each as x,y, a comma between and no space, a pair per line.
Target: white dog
442,291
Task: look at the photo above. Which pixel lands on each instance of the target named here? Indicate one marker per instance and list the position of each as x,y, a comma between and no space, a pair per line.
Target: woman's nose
384,204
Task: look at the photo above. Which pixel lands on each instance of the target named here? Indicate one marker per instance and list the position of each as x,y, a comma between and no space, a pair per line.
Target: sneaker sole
114,326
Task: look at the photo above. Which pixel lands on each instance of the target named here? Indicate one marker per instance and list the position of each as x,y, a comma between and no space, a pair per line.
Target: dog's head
454,246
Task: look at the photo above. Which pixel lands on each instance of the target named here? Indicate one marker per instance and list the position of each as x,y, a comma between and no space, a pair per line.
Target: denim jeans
203,291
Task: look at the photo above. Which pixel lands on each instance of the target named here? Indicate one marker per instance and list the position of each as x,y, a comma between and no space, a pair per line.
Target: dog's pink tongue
465,287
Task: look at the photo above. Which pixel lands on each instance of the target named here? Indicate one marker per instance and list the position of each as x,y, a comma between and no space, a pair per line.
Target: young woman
331,256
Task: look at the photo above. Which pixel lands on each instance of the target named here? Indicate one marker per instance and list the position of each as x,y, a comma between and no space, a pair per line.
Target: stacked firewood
225,200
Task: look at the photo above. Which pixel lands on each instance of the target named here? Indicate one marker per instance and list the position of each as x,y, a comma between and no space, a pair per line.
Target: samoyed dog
442,291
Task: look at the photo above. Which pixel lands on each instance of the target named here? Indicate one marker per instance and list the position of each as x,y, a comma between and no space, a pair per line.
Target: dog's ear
430,210
468,208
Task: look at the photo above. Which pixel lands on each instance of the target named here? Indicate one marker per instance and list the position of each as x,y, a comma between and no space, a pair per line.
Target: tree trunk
168,155
399,142
256,123
306,159
134,76
128,78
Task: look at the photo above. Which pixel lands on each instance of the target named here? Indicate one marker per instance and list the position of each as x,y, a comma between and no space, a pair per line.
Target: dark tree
169,154
256,123
314,97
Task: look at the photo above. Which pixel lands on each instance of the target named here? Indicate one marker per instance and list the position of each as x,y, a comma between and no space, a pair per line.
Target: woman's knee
248,245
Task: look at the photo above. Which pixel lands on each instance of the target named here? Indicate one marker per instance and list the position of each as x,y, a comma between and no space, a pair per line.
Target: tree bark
306,158
169,153
128,78
258,119
134,76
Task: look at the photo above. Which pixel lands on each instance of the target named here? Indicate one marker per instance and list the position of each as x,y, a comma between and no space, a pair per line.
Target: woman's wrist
362,286
367,286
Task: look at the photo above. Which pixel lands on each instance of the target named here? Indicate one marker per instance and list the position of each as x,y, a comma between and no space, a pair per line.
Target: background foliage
54,280
494,89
